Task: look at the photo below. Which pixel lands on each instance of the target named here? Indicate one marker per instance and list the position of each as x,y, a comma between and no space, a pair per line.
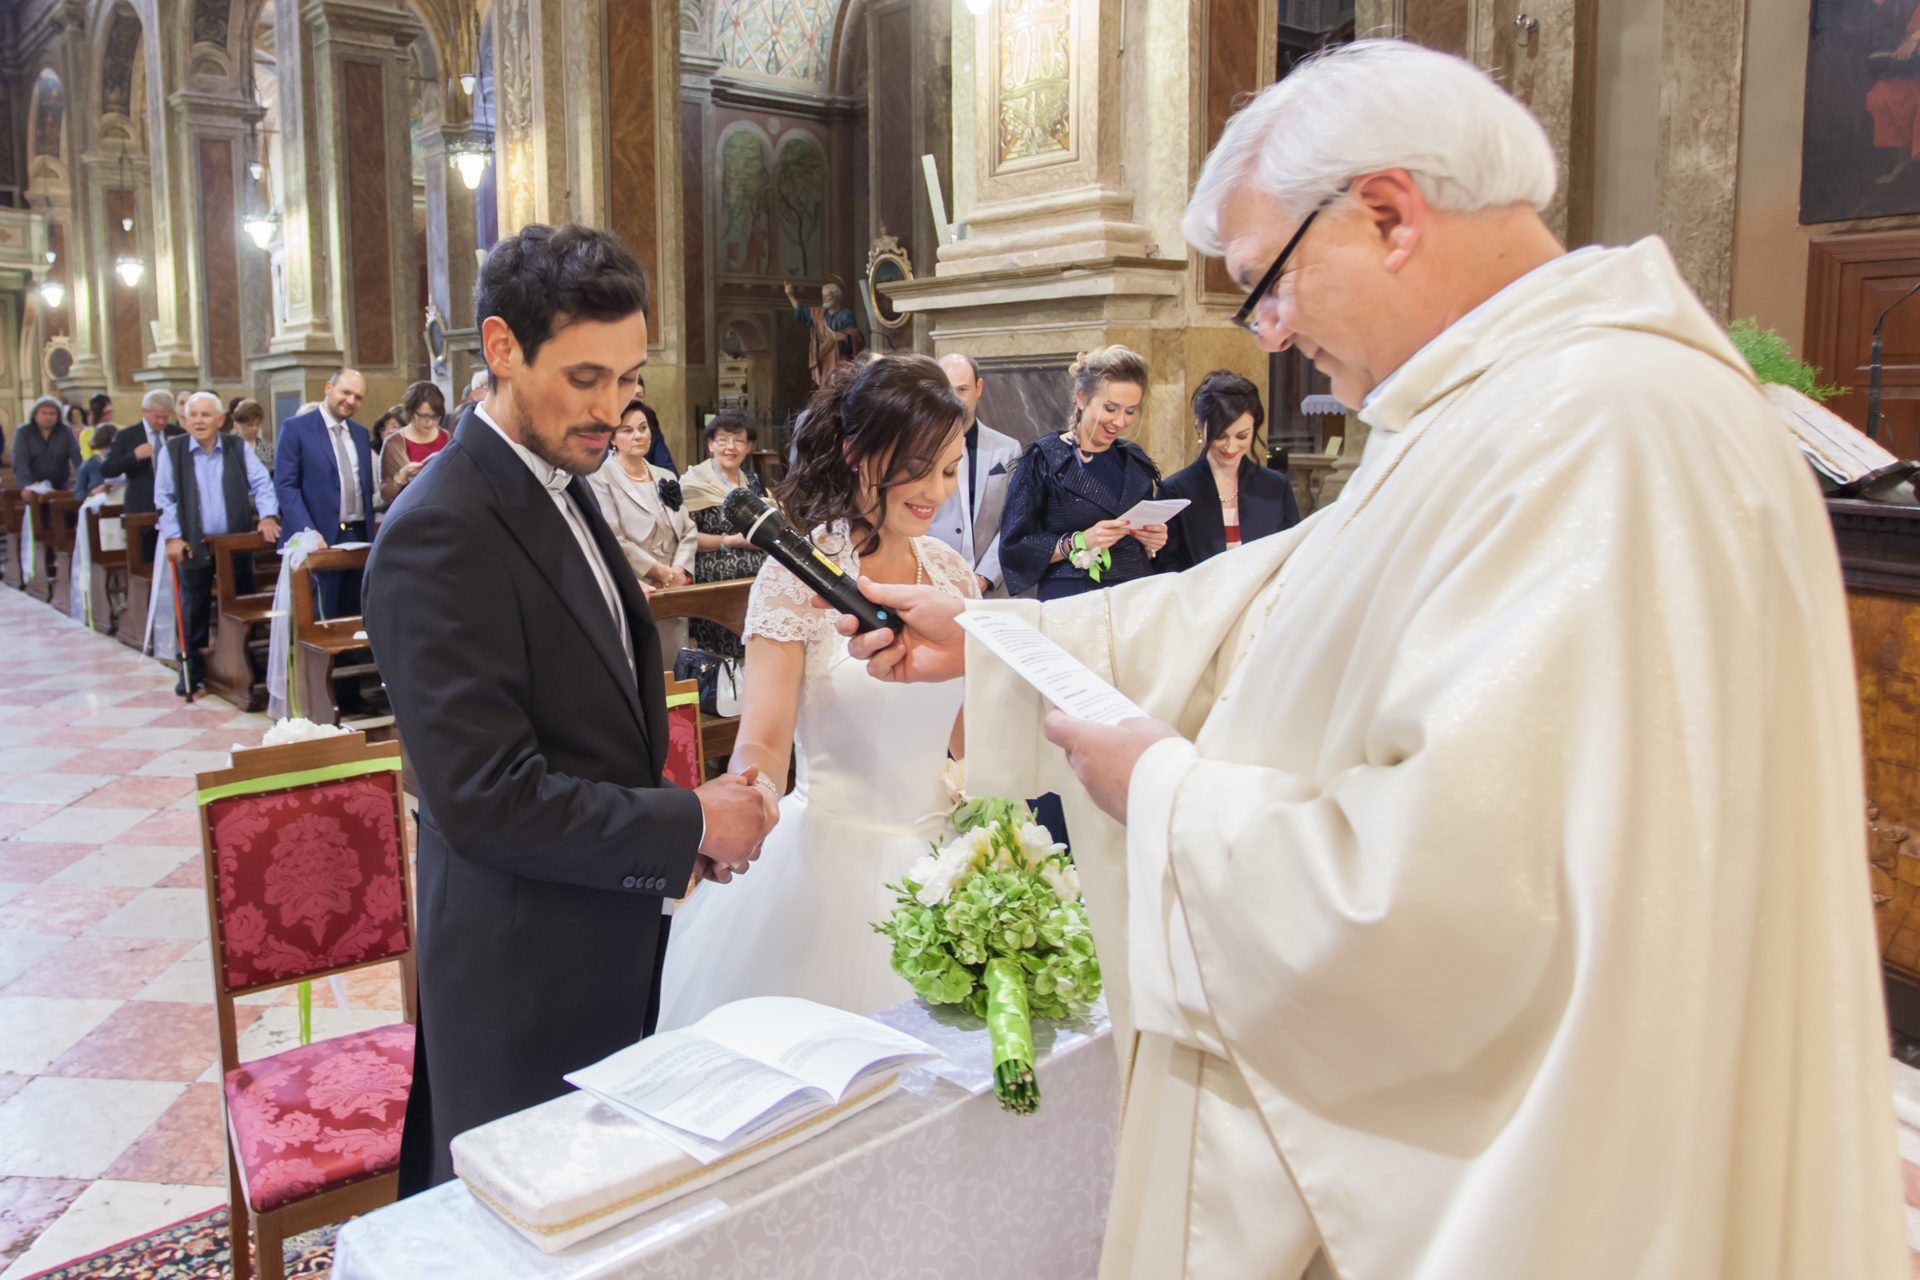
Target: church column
452,238
174,359
644,190
228,285
347,174
553,63
85,237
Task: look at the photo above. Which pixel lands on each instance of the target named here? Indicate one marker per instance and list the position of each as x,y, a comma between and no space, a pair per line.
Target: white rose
1063,880
924,870
1036,844
969,851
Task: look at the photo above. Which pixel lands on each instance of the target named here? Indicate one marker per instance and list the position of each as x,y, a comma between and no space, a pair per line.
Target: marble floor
109,1098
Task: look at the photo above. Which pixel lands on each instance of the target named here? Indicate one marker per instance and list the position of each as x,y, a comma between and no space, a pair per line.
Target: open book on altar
678,1112
749,1069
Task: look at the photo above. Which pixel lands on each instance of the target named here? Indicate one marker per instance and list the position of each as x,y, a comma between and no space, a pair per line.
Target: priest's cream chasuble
1503,912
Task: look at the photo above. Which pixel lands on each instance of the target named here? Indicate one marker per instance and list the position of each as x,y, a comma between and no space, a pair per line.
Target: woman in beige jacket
659,540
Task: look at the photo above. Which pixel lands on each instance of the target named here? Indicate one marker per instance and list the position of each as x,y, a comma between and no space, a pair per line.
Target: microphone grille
742,507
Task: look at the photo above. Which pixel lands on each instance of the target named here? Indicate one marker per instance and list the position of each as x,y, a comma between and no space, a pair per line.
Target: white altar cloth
933,1182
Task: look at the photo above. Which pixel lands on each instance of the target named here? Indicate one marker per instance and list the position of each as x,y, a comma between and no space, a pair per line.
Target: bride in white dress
878,455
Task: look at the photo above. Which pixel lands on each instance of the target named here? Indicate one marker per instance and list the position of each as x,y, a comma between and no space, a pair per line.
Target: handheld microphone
761,524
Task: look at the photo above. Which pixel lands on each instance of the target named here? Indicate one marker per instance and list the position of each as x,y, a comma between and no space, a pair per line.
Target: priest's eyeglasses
1247,316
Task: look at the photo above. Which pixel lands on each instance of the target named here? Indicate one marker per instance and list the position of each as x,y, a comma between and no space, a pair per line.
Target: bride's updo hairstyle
899,411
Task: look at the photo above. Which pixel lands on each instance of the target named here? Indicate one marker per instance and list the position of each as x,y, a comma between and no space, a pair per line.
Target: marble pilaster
86,303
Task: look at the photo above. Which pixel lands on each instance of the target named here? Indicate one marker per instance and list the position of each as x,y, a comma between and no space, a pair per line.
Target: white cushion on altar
573,1167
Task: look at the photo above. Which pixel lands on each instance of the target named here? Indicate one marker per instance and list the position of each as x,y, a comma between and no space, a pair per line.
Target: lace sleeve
946,570
780,608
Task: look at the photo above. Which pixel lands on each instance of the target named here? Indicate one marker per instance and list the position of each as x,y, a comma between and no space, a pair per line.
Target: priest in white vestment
1488,900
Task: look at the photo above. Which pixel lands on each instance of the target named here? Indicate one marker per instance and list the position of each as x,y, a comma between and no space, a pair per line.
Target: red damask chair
306,872
686,766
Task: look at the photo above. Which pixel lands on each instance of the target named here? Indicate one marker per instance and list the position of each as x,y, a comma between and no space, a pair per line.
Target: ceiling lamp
52,257
261,227
256,171
468,83
53,293
130,267
126,224
471,156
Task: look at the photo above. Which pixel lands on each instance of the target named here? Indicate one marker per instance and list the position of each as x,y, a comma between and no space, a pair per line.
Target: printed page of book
828,1048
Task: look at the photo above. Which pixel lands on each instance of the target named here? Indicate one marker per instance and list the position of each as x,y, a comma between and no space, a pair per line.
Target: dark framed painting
1860,150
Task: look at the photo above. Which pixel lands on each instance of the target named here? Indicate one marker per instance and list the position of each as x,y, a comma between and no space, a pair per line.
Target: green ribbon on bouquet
1011,1031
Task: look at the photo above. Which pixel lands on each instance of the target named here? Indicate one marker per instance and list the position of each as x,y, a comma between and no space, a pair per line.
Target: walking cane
180,633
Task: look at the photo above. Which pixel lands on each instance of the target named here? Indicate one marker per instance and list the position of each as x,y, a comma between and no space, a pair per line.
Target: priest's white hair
1369,106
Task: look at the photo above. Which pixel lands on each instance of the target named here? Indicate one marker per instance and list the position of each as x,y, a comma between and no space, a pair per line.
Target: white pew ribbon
29,561
80,595
282,690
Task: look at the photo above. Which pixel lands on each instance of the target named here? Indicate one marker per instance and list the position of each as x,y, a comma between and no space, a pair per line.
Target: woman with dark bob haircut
422,433
878,455
1235,500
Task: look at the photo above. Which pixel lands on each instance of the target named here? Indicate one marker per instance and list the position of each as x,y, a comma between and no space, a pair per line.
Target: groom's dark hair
543,278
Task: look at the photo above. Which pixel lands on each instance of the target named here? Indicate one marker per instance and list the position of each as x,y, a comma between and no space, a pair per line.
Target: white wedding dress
869,794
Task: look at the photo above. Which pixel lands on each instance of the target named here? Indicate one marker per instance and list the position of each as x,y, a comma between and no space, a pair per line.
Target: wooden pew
236,653
108,590
130,624
329,650
12,508
63,531
721,603
46,523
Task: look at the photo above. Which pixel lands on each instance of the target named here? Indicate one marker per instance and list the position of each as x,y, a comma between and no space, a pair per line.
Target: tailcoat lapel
542,533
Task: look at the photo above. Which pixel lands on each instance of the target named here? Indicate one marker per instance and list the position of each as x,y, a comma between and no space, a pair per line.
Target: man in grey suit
970,520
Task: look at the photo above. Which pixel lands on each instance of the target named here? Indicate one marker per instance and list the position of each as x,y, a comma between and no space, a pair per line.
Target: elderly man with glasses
1486,899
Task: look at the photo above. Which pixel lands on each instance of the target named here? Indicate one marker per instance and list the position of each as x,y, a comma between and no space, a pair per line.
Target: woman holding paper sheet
1235,500
1064,530
876,458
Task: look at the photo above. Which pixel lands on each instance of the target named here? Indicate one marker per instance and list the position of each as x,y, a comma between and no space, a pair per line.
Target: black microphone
761,524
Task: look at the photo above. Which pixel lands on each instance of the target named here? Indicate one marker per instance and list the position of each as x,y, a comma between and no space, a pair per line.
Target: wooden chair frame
130,627
240,623
272,1227
724,604
108,589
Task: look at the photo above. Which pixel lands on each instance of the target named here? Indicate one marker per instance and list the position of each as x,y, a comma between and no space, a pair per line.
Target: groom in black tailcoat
526,676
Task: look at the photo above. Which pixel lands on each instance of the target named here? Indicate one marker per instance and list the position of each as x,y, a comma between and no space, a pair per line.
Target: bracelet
1087,560
767,788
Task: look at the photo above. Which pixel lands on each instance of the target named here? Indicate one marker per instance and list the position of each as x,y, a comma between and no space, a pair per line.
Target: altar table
933,1182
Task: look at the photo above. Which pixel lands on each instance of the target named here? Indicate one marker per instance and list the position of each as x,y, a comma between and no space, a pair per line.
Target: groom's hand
1103,755
934,647
738,817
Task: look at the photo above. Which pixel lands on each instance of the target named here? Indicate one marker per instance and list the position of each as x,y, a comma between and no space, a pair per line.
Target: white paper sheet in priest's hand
1060,677
748,1070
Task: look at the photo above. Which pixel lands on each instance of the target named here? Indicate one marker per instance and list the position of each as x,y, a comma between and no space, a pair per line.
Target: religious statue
836,334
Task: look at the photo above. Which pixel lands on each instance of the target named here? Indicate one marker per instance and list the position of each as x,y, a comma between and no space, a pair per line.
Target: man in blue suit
323,473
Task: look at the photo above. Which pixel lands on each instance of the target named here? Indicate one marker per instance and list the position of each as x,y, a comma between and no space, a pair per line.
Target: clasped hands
933,649
740,809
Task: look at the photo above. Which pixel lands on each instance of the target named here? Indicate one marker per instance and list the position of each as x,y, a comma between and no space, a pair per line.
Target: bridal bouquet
992,921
